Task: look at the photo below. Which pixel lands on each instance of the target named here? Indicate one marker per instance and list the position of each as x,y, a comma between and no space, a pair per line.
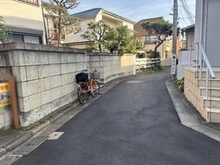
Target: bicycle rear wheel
96,89
82,98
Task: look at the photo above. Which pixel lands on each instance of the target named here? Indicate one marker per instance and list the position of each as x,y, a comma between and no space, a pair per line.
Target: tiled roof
140,30
188,27
92,13
88,13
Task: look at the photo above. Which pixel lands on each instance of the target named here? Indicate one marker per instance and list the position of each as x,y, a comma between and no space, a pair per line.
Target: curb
13,144
186,115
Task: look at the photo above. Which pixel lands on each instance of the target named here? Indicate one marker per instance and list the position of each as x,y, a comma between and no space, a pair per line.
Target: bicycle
86,86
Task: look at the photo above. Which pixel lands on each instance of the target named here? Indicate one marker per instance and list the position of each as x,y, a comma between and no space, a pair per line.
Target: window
25,38
150,39
32,39
34,2
15,38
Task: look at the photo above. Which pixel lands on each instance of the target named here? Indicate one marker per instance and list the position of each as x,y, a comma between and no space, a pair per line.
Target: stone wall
45,76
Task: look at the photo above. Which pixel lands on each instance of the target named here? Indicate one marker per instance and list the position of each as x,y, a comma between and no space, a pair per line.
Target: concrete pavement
10,140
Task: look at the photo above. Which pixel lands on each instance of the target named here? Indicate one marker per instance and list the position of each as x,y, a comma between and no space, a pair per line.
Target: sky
137,10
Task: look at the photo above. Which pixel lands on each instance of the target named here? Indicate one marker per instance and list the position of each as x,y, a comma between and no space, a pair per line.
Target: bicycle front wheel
96,89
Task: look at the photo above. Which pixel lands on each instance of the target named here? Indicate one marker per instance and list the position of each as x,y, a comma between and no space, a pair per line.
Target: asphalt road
134,123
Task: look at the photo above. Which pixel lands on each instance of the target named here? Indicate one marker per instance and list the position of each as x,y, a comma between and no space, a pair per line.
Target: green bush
153,54
140,55
181,84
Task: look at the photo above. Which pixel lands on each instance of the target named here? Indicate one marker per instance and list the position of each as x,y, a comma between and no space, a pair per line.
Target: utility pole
175,17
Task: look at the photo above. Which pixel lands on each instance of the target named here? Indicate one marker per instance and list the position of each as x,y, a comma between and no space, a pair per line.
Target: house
50,27
95,15
202,80
148,41
55,23
183,55
25,20
189,35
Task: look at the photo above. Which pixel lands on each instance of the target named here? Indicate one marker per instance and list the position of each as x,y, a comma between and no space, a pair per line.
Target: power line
139,9
186,9
184,21
140,5
186,18
130,6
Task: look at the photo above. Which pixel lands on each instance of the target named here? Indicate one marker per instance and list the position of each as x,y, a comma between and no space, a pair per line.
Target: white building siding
130,26
23,15
207,28
110,19
77,37
98,17
213,35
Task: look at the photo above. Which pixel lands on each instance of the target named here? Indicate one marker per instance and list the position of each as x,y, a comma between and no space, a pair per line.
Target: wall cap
38,47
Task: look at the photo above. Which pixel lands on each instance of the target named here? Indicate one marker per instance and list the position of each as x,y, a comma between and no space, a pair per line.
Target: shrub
140,55
153,54
181,84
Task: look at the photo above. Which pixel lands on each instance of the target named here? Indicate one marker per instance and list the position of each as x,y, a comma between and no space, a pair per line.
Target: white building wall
198,21
98,17
213,37
112,21
207,28
130,25
22,14
77,37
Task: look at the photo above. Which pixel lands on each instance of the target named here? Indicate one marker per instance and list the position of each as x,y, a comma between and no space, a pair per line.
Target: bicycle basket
95,75
82,77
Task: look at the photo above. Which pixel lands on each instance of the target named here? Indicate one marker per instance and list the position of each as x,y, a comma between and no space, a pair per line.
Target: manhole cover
55,135
134,82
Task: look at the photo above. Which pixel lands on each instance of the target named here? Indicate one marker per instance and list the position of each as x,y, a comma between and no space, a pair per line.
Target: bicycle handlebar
84,71
87,71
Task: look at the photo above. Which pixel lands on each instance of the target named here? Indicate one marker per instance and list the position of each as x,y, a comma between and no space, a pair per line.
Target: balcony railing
34,2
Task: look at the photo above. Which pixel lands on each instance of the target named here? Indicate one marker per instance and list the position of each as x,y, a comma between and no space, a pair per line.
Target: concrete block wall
111,66
45,76
5,71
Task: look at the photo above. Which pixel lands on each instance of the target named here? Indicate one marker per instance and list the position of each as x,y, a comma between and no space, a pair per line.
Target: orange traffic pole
13,98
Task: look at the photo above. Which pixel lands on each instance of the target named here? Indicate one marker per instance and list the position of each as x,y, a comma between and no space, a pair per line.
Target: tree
123,40
98,34
119,39
161,28
133,44
4,31
65,23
